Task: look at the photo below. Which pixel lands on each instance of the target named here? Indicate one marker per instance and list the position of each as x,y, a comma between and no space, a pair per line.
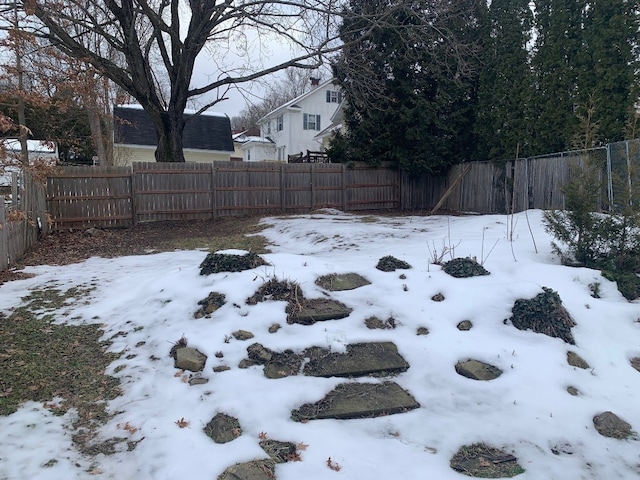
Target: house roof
246,135
202,132
254,140
330,130
249,132
293,103
34,146
336,123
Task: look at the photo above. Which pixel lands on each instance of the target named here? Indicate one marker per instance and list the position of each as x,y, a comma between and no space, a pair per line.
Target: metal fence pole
626,145
609,178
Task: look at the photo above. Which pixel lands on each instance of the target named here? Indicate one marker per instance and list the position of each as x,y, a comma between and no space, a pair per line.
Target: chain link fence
539,181
623,177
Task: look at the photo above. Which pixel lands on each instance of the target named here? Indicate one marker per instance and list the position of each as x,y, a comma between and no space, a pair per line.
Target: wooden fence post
398,188
283,195
15,192
450,189
4,238
345,201
214,205
134,212
313,192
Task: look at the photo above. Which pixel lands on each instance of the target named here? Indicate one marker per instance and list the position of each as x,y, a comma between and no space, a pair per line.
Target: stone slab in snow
477,370
343,281
317,310
223,428
610,425
360,359
254,470
359,400
188,358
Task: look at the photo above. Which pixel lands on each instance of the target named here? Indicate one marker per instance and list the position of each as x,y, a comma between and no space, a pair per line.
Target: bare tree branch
157,43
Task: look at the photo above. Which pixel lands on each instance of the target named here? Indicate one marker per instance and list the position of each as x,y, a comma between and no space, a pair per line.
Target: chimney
314,81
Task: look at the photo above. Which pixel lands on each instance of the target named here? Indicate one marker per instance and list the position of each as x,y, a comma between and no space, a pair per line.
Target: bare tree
15,41
44,78
158,41
153,45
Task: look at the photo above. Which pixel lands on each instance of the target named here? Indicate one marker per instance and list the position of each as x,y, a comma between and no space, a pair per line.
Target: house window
248,155
279,123
269,127
281,151
311,122
334,96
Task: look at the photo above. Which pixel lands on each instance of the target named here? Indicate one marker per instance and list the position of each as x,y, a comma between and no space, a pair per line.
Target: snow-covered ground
526,411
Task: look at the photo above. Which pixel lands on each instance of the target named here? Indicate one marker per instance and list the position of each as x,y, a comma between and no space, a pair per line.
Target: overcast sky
261,53
215,59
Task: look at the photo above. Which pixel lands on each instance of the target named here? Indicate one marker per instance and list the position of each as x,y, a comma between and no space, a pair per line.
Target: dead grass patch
41,360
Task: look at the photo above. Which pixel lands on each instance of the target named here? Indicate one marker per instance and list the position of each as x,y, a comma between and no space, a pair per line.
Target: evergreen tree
610,30
470,29
408,102
505,81
556,66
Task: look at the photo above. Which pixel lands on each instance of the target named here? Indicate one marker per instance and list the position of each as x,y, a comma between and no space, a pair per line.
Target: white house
258,149
42,150
292,127
336,125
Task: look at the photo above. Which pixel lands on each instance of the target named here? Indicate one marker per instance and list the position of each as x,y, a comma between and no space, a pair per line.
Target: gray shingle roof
202,132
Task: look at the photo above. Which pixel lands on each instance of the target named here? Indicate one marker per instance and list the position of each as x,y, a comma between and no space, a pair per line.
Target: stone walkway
360,397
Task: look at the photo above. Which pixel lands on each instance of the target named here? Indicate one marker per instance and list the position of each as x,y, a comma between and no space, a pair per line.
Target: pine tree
505,81
608,79
409,98
556,66
470,28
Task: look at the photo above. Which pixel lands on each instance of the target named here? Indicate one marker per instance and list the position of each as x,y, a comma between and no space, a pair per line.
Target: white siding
257,152
126,155
293,137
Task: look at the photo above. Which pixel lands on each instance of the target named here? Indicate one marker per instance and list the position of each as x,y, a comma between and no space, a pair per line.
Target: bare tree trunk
23,131
107,121
97,135
108,141
169,126
22,119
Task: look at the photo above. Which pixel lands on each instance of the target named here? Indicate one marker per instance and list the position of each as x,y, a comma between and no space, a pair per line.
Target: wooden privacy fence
519,185
81,197
23,222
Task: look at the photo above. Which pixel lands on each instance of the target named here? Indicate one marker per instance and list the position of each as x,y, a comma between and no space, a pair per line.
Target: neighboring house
250,147
259,149
239,138
207,137
336,125
11,152
292,127
42,150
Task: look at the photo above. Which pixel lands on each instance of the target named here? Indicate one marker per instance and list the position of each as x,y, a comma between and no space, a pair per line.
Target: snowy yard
146,303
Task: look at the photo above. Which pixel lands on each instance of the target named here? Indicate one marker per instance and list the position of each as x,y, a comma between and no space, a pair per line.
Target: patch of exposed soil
72,246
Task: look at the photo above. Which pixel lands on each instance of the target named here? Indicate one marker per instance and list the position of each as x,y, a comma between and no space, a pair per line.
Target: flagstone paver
344,281
358,400
360,359
317,310
477,370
